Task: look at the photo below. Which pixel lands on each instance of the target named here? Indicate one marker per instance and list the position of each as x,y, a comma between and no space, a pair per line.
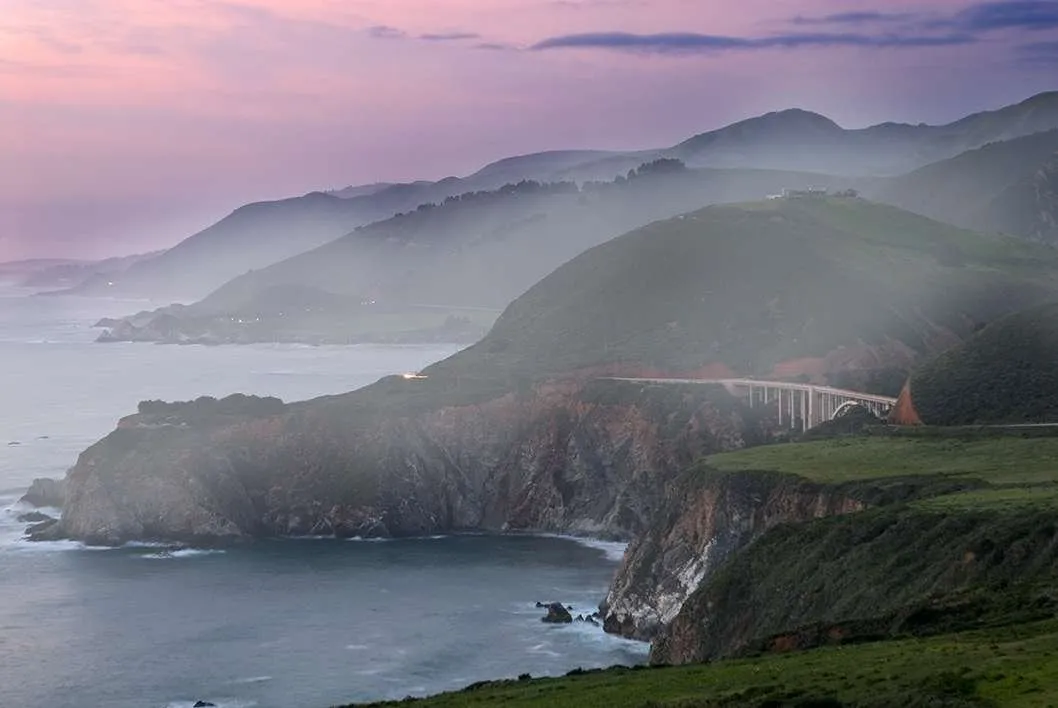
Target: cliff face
566,457
707,517
900,571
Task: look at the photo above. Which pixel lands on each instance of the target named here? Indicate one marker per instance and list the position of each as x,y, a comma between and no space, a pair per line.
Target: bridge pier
803,406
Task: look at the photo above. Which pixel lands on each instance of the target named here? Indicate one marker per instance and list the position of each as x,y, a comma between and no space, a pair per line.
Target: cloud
386,32
449,36
692,43
1016,14
854,18
494,46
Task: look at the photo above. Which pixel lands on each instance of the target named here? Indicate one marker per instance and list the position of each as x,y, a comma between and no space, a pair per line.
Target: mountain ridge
817,145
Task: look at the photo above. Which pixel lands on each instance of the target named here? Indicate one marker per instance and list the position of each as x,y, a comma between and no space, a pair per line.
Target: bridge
800,406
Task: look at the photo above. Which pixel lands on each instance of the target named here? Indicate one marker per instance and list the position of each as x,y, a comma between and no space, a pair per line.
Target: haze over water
280,623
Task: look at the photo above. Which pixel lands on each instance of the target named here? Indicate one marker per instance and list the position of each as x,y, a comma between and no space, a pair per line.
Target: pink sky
129,124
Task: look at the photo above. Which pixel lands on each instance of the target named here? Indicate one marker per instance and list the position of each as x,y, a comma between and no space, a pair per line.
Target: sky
126,125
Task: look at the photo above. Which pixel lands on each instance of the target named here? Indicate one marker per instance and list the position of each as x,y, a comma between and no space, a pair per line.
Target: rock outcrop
557,614
706,518
46,492
569,457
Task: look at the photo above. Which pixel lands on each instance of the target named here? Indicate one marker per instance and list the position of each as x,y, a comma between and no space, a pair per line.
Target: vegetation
237,404
1009,666
757,284
995,460
1004,374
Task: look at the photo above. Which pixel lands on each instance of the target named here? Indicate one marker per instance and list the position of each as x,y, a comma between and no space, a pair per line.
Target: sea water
290,622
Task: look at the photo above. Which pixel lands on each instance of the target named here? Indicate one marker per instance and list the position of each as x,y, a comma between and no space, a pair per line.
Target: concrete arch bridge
800,406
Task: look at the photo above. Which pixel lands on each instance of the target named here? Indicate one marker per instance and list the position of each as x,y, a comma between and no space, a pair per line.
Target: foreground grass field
1010,666
999,460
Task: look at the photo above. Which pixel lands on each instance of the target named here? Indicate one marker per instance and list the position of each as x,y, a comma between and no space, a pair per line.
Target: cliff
869,576
561,457
707,518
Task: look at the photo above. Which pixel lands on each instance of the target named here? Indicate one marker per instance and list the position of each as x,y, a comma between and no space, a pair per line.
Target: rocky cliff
901,571
571,457
706,518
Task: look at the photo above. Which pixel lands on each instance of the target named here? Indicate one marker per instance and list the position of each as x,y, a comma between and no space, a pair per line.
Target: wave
252,679
182,553
614,550
219,702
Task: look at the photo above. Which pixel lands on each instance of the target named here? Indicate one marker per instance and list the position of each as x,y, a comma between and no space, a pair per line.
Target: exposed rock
707,516
557,614
46,492
557,458
46,530
33,517
204,704
890,571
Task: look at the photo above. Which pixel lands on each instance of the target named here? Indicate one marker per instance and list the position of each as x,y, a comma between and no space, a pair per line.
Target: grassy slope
1002,460
753,284
1004,374
1010,666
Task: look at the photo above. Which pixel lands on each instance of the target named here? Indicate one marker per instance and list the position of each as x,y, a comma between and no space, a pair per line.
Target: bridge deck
761,383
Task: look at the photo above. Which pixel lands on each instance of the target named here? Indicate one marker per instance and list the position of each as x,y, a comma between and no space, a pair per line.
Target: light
411,377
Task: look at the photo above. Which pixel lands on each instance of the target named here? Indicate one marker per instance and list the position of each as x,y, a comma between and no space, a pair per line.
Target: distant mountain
252,236
797,139
16,272
1009,186
258,235
79,274
465,258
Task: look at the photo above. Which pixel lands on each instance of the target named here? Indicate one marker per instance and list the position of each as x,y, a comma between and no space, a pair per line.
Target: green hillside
1006,373
756,284
1004,186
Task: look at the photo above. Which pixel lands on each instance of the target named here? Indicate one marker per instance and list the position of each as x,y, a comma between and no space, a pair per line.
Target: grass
1003,374
1008,666
999,460
1000,499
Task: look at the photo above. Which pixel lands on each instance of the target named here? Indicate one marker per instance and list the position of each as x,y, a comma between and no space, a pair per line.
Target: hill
70,275
788,287
1009,186
251,237
446,270
1003,374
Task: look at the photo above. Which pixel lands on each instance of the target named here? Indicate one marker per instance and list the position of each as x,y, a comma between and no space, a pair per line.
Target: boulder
33,517
557,614
46,492
44,531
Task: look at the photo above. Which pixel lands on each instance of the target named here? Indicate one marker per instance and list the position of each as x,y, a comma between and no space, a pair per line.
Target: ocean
288,622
